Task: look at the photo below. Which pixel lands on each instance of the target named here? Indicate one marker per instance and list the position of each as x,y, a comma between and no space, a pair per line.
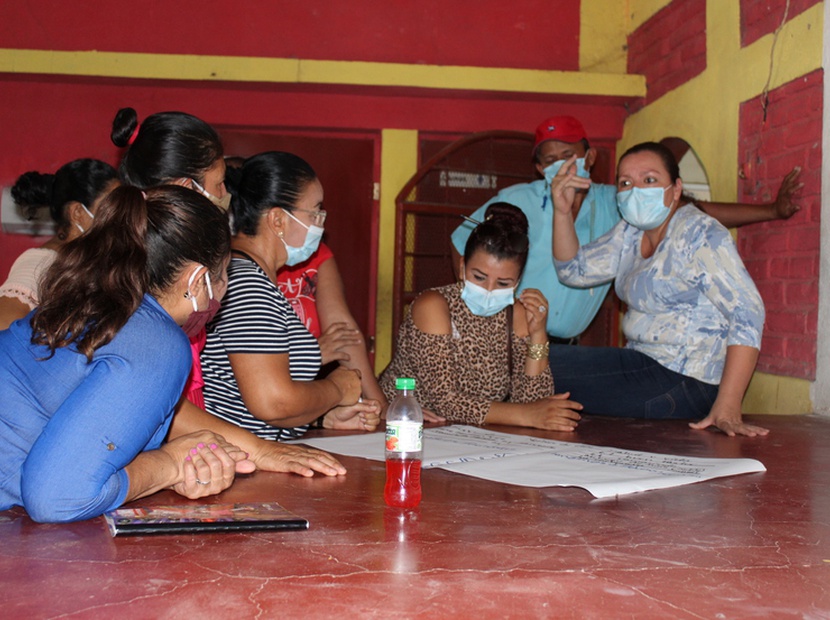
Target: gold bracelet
538,351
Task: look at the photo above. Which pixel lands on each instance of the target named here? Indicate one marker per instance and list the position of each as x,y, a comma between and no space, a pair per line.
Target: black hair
502,234
168,146
136,245
662,151
81,180
267,180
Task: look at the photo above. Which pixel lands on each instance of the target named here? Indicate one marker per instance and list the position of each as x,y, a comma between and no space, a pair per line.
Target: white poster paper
535,462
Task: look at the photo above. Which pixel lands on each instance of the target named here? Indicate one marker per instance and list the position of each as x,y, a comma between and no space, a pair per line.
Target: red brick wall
783,257
760,17
669,48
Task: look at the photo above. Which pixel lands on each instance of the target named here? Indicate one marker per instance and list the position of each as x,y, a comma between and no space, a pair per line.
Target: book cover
203,518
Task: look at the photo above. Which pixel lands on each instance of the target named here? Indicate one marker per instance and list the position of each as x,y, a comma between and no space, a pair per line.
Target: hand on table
728,419
291,459
362,416
554,413
207,463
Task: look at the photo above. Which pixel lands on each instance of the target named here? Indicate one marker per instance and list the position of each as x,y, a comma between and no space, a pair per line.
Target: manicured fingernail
200,446
247,455
194,451
187,458
213,446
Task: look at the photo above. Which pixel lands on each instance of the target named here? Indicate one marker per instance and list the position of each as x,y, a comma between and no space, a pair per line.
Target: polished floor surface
751,546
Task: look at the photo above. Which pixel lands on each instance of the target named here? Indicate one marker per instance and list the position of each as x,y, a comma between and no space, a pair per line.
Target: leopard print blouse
459,375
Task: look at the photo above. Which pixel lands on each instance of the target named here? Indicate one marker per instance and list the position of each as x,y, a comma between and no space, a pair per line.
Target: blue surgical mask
554,168
482,302
643,207
297,255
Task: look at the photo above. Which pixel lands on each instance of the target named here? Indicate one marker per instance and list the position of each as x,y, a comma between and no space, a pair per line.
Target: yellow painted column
398,162
602,36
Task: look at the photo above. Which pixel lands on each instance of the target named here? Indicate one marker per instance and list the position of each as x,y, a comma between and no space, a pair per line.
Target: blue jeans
627,383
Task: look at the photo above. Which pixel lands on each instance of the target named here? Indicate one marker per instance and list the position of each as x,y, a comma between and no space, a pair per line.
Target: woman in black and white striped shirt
260,362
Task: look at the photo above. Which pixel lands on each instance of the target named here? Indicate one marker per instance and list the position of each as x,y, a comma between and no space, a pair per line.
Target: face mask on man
297,255
554,168
199,318
223,203
482,302
89,213
643,207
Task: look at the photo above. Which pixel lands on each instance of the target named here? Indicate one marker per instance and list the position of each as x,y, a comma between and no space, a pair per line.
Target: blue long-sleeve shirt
68,428
687,302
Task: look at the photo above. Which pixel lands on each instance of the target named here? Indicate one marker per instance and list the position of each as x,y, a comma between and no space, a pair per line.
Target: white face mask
89,213
223,203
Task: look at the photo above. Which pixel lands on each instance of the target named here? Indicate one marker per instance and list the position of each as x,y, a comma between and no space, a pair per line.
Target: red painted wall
669,48
760,17
48,121
784,258
538,34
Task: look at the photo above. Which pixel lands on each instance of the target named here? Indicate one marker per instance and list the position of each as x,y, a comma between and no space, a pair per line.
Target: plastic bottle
404,441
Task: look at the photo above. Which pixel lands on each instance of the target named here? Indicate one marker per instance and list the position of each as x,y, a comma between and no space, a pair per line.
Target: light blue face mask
482,302
297,255
643,206
554,168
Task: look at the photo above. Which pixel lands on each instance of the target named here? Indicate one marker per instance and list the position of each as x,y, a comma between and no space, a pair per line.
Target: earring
187,295
280,234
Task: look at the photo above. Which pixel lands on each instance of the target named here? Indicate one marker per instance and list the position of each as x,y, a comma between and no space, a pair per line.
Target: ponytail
134,246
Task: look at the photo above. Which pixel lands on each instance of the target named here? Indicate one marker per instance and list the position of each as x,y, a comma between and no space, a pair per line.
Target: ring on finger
542,309
201,481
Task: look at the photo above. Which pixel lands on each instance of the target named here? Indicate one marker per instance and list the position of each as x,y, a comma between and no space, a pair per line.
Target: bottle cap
404,383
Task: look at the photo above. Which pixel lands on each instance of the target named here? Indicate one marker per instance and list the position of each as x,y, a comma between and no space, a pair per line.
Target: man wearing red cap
595,213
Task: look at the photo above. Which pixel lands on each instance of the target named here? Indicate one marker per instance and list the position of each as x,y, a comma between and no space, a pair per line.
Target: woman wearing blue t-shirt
694,318
90,379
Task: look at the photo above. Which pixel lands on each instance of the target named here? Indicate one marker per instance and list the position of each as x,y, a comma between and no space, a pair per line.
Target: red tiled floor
749,546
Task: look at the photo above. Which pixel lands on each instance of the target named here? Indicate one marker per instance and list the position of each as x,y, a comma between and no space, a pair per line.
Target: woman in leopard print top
454,339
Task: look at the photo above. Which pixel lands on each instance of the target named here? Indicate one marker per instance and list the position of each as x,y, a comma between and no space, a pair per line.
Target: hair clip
471,220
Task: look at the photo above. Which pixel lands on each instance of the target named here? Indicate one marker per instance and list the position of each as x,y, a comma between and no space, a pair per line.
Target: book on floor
177,519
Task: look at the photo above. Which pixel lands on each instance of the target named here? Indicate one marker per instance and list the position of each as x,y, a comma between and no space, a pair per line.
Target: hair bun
123,126
507,216
33,190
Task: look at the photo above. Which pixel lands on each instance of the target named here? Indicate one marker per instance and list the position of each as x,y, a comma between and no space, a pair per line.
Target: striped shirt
255,318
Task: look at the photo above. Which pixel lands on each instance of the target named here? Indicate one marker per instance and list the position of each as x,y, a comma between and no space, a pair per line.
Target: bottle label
404,436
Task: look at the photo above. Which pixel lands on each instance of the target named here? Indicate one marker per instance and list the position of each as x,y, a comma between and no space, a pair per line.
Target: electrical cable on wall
765,91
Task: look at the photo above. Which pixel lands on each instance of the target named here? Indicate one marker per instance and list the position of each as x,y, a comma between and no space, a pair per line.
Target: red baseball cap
562,128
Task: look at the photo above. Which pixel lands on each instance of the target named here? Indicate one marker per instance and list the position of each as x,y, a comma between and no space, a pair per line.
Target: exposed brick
803,293
783,322
768,149
772,291
760,17
670,47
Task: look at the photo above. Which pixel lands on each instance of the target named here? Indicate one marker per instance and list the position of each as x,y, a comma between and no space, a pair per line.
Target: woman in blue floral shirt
694,319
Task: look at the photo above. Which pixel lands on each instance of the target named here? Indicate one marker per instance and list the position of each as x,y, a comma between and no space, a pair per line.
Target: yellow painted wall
705,112
398,162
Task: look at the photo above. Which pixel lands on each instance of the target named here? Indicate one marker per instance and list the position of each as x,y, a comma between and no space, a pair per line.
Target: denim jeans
627,383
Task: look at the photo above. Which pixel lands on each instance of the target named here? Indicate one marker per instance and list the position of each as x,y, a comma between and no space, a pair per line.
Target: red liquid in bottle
403,483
